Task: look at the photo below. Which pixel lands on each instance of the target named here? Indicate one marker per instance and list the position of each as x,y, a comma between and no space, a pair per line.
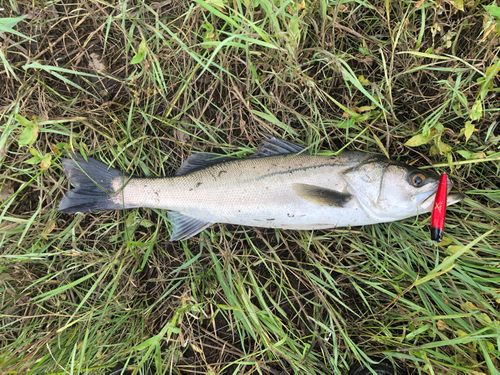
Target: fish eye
417,179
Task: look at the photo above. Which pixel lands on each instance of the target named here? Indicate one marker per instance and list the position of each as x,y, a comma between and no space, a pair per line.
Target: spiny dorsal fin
199,161
184,226
275,146
321,196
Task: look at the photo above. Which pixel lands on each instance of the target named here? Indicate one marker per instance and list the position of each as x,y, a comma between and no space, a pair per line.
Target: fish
279,186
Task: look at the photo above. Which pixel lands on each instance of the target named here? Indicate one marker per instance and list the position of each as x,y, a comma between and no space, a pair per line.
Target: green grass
143,85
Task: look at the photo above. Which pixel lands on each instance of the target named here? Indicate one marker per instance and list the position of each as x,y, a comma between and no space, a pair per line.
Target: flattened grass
141,86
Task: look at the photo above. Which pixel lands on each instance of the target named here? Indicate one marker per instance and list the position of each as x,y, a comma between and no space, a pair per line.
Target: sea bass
281,186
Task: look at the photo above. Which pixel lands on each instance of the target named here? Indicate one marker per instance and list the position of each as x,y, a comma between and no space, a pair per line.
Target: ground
142,85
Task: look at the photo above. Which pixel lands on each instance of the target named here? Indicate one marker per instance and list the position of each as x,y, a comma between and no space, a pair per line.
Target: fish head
389,190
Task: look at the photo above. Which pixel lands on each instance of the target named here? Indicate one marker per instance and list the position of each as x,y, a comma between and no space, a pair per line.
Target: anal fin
184,226
321,196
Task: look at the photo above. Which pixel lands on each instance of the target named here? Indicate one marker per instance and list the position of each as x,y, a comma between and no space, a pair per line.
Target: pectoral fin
321,196
184,226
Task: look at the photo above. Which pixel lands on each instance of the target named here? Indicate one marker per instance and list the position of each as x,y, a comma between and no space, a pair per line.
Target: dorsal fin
274,146
199,161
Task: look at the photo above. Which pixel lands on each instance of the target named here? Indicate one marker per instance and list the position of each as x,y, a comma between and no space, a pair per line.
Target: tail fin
93,182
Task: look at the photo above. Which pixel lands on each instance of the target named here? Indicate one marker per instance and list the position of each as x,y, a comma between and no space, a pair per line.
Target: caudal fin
93,182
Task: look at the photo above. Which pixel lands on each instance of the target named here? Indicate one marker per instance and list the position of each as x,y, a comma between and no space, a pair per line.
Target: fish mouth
429,197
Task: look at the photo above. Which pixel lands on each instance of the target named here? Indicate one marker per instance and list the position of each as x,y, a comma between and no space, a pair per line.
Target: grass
143,85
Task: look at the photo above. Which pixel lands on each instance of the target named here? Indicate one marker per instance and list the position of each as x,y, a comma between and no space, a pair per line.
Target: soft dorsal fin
184,226
321,196
274,146
199,161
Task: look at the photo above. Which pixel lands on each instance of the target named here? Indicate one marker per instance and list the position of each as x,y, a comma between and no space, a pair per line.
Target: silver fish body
281,187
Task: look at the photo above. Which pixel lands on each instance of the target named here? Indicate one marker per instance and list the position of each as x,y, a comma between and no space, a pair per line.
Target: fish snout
449,183
452,198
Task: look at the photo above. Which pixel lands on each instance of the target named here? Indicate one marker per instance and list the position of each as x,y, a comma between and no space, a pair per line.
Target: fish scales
246,191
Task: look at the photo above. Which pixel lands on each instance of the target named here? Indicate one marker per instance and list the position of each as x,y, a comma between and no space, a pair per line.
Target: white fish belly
255,192
278,207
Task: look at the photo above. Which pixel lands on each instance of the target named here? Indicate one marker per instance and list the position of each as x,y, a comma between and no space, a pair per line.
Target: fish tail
95,184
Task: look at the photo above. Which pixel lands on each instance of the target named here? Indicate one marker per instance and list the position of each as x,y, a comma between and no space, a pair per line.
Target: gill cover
366,180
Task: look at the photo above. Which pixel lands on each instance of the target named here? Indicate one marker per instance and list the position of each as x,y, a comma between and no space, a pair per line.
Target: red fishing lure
439,210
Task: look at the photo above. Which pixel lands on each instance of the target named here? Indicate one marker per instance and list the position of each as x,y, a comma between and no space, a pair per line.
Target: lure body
439,210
